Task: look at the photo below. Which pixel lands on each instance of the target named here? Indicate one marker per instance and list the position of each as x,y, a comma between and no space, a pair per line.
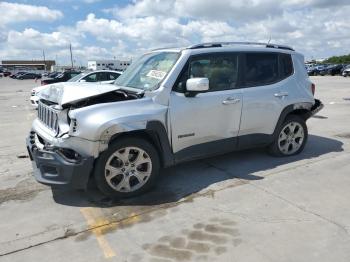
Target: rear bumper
53,168
317,107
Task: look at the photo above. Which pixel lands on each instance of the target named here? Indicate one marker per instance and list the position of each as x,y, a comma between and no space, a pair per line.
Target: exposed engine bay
114,96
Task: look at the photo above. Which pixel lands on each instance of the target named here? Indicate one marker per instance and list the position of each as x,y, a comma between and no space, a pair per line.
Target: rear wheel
291,137
128,168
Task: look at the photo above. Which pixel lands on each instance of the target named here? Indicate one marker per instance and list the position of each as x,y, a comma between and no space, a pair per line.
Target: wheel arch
156,134
300,109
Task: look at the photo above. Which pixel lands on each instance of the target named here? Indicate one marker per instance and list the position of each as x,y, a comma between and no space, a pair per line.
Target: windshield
148,71
77,77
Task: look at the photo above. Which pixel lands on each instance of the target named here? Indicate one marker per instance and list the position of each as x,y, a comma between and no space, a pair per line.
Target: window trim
195,56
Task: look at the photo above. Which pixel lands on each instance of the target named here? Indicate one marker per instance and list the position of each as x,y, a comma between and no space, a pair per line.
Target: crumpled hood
68,92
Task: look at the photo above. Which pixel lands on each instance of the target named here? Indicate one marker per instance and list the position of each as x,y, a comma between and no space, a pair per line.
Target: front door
210,120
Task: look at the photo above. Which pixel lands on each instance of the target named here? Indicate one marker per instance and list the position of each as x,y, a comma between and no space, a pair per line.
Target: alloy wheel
291,138
128,169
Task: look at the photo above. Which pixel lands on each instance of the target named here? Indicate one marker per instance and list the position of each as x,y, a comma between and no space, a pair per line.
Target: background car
15,75
313,71
103,76
7,73
62,77
28,76
346,71
331,70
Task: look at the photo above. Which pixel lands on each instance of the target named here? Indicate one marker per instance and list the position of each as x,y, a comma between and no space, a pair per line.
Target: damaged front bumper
58,167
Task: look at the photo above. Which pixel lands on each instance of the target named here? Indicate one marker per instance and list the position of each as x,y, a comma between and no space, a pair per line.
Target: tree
344,59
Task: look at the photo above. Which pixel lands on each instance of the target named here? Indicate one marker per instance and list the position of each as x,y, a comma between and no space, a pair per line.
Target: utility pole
44,60
71,55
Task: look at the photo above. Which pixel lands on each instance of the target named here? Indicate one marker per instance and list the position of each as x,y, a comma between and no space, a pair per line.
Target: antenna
71,55
44,60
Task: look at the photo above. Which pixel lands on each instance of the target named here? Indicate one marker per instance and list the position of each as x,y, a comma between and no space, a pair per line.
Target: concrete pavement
243,206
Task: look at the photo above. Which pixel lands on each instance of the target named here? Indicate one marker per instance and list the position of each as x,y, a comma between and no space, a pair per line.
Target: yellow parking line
96,222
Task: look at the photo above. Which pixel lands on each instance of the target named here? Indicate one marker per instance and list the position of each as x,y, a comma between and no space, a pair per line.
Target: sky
106,29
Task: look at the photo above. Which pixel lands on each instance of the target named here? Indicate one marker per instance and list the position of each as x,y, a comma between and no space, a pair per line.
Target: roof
233,45
222,44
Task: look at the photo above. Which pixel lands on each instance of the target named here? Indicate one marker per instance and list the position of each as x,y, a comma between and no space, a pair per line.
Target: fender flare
162,142
153,130
304,109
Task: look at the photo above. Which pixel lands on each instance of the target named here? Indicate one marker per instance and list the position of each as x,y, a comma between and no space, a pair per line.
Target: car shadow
185,179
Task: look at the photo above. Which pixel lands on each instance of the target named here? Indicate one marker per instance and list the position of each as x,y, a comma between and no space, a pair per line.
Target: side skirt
223,146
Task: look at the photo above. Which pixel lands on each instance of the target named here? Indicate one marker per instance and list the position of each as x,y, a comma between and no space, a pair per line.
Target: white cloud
14,13
35,40
316,28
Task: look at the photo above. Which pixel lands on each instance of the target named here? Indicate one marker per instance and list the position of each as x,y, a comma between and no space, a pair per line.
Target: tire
288,144
117,173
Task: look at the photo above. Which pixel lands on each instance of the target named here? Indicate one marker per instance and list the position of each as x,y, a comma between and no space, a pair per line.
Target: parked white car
101,76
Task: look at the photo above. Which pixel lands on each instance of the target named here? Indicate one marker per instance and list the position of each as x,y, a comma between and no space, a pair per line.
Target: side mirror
82,80
196,85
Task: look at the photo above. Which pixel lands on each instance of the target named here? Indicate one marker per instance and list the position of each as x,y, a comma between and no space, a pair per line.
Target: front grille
48,116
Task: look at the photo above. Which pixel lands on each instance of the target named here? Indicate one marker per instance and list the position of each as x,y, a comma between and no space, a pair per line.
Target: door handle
281,94
231,100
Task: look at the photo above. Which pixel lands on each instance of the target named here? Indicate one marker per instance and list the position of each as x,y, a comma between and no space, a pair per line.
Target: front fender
101,121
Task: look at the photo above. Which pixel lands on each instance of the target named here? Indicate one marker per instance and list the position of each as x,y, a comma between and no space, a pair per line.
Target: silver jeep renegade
170,106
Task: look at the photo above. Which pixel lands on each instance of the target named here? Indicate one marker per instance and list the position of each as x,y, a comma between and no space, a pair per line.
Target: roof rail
221,44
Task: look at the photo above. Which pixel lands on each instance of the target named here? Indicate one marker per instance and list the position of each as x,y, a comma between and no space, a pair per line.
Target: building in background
62,68
28,65
121,64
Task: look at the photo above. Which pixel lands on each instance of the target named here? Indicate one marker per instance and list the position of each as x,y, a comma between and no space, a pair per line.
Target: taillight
313,87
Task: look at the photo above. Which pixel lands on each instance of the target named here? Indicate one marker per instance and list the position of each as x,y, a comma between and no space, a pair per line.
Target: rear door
264,95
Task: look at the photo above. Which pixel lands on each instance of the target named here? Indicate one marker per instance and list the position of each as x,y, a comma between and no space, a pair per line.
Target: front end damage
59,158
58,166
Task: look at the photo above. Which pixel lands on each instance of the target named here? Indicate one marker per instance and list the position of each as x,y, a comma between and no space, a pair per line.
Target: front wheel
129,167
291,137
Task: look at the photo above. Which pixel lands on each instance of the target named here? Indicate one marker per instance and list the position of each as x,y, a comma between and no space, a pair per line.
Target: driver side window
220,69
91,78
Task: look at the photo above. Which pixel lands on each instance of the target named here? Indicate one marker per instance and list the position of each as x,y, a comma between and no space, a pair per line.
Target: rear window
261,69
286,65
267,68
